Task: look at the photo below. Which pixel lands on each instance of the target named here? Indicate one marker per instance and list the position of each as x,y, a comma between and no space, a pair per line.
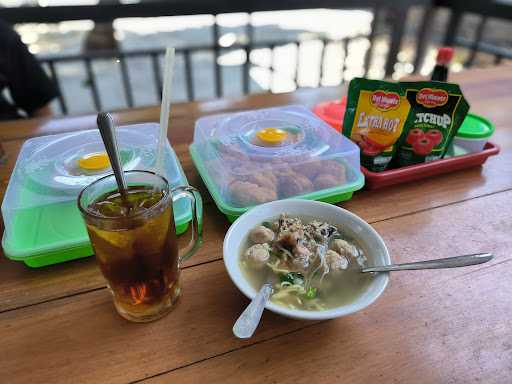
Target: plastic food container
474,132
42,222
332,112
253,157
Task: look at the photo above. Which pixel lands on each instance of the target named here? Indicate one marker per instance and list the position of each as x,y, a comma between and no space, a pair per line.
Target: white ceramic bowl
369,240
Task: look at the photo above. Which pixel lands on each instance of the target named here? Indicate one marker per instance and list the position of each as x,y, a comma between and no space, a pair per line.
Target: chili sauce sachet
376,114
437,111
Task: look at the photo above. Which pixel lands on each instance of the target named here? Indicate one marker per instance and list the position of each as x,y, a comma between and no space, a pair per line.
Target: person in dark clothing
30,89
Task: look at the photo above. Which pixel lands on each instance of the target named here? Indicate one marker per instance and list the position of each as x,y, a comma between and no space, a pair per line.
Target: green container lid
475,127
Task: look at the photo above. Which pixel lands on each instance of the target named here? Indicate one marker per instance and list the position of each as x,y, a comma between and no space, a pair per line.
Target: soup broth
312,265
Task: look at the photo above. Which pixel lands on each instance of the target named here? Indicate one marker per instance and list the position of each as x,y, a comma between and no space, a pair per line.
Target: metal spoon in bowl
449,262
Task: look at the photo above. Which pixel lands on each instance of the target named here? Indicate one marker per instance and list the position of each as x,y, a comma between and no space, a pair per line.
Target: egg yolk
272,136
94,161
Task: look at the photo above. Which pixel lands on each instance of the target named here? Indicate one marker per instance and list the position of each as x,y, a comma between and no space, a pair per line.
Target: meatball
301,252
261,234
245,193
344,248
301,257
335,261
258,255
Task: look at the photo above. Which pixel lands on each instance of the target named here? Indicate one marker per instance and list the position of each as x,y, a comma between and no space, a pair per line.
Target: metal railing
396,15
121,57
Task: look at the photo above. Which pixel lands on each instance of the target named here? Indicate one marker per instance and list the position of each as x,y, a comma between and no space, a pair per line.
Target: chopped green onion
292,278
311,293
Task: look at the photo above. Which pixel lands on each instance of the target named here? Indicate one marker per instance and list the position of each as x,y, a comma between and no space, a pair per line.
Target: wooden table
58,324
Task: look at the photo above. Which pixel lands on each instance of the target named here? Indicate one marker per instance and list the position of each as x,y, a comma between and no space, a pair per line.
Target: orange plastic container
332,112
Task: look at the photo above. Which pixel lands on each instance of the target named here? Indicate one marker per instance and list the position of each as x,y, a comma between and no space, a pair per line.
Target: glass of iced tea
134,239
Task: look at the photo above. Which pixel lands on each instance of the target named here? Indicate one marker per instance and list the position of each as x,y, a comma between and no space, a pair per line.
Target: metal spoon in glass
108,134
250,318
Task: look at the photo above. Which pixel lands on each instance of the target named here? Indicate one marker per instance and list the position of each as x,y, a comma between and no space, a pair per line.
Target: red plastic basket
376,180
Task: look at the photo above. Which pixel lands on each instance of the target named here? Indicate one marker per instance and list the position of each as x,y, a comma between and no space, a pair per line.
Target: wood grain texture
457,333
450,326
59,337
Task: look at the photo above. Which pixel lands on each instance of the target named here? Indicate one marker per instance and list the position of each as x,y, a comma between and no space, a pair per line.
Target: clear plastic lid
51,171
269,154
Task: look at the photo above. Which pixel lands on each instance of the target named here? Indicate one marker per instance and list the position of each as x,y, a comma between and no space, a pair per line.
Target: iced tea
134,239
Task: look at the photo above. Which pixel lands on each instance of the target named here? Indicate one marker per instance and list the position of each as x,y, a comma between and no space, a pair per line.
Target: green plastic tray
331,195
38,240
54,232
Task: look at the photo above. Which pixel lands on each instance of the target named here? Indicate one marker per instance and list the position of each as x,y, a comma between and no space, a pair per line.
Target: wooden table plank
461,334
59,337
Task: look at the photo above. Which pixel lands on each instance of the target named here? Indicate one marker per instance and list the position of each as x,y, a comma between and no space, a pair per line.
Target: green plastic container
43,225
303,158
474,132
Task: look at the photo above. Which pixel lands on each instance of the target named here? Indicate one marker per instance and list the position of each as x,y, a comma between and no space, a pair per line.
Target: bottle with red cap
444,57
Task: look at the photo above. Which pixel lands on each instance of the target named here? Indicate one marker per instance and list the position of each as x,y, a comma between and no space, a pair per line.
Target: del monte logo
385,101
431,98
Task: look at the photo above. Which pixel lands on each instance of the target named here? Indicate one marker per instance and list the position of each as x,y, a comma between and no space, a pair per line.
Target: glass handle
197,218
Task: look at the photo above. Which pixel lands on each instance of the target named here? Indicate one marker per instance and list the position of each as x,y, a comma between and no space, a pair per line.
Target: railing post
397,31
246,78
453,26
127,87
216,50
91,79
188,75
423,37
478,37
157,75
55,78
373,31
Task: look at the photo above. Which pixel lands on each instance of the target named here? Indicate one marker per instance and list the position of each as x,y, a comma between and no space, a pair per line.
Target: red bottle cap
444,55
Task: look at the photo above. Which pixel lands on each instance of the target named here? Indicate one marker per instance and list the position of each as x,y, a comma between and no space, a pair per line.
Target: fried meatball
258,255
310,170
245,193
293,184
264,179
261,234
334,168
326,180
